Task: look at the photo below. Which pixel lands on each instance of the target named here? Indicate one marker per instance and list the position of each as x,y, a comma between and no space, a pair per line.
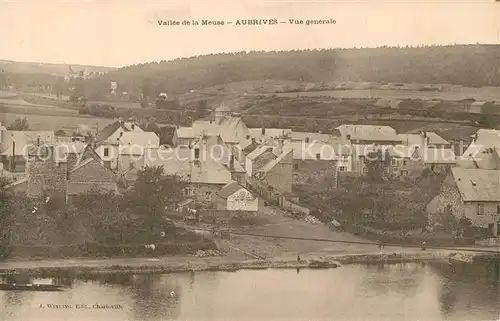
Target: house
52,171
183,136
230,128
277,174
87,175
484,144
15,145
472,194
369,134
235,197
133,147
107,141
430,139
311,137
266,135
258,158
313,163
204,175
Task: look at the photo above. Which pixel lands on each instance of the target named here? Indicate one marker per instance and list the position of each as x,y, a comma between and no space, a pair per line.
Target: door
491,228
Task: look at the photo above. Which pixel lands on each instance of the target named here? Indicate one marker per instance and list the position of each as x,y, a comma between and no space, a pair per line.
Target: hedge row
103,250
430,240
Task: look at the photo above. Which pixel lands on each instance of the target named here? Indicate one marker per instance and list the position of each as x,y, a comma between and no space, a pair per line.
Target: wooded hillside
471,65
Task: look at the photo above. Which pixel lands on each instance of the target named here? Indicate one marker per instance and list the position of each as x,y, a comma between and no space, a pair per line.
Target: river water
423,291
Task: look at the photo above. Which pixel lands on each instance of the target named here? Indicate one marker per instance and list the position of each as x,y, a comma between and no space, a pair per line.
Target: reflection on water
431,291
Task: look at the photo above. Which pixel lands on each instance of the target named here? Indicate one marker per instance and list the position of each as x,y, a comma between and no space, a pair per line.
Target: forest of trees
471,65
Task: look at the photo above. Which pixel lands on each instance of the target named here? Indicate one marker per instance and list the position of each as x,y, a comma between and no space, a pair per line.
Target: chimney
38,141
231,163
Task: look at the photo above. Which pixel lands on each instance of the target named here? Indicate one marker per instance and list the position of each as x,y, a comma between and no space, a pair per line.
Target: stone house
183,136
278,173
235,197
472,194
64,172
313,163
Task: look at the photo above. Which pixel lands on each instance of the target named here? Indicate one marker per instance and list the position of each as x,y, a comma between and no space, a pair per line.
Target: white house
234,197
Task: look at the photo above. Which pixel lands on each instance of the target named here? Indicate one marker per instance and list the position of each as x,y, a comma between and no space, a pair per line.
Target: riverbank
177,264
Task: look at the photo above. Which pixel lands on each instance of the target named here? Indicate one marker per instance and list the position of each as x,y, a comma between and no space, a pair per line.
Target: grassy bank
190,264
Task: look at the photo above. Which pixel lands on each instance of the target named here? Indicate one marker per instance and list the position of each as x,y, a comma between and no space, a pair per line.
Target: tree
59,87
376,163
147,88
202,109
19,124
153,192
79,89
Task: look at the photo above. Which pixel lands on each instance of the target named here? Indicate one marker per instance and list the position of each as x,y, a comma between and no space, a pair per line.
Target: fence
293,207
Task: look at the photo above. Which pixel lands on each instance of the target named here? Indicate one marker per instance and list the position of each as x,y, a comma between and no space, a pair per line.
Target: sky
117,33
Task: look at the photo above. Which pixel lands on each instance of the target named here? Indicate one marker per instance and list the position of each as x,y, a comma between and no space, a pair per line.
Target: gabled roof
417,139
269,166
258,151
234,130
229,189
301,136
477,185
263,159
369,133
109,130
143,139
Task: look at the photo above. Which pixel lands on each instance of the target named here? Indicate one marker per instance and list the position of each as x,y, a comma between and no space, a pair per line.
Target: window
498,209
307,139
404,173
395,169
365,170
405,162
208,196
106,152
238,179
295,166
394,161
341,168
480,209
196,153
295,176
318,156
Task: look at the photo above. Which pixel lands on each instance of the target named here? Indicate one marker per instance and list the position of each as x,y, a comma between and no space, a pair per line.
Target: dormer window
318,156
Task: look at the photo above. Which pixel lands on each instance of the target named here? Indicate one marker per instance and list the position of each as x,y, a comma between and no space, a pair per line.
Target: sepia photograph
249,160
